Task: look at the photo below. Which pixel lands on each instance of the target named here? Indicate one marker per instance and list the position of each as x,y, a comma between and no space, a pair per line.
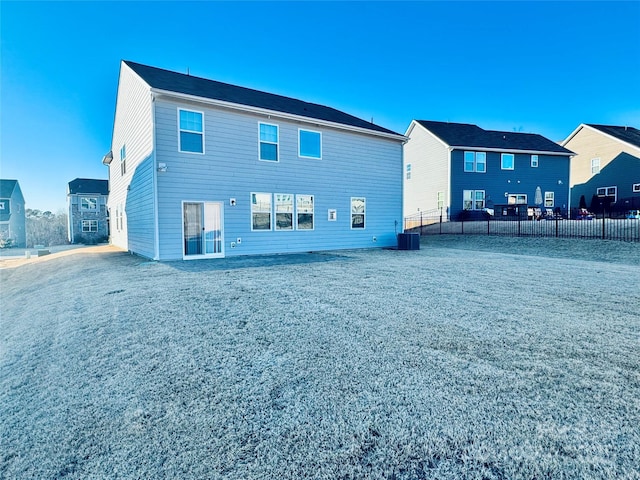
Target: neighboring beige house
606,168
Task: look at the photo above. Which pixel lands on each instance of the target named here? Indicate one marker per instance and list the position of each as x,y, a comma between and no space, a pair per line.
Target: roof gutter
278,114
510,150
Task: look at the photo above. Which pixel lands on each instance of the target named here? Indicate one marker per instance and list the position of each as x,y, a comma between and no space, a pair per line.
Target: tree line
46,228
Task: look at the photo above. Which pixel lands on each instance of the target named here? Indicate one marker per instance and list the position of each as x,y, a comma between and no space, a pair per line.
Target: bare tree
46,228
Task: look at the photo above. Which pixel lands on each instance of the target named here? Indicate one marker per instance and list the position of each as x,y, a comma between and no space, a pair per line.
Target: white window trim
473,200
553,199
475,162
277,143
351,214
90,222
83,209
313,213
606,192
275,213
179,109
537,161
515,196
271,216
513,163
310,131
595,161
635,188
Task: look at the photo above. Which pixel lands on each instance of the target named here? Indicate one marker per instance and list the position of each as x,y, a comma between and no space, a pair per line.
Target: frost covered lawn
475,357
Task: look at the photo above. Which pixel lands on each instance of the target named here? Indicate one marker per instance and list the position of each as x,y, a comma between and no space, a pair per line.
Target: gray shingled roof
201,87
7,187
92,186
630,135
472,136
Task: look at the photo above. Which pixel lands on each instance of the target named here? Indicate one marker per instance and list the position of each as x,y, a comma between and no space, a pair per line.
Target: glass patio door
202,229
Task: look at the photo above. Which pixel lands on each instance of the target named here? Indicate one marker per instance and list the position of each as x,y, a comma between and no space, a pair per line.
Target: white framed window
608,192
358,212
408,171
190,131
473,199
260,211
284,211
332,215
440,199
635,188
123,160
304,212
89,226
88,204
309,144
517,198
549,199
268,142
2,204
475,162
534,161
507,161
595,165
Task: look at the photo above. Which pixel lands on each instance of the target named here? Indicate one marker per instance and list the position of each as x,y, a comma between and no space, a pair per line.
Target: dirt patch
18,262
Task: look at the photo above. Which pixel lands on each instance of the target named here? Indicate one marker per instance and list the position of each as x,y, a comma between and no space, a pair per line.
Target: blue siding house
464,171
203,169
12,215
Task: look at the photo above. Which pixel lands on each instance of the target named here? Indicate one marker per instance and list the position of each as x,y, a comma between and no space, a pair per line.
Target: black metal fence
598,226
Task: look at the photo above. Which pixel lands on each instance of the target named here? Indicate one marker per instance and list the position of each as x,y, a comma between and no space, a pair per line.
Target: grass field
473,358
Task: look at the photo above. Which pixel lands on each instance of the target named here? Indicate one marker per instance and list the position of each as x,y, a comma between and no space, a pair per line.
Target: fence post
556,227
440,221
603,224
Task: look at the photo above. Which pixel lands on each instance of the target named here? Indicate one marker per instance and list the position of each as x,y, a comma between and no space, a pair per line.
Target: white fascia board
277,114
509,150
572,134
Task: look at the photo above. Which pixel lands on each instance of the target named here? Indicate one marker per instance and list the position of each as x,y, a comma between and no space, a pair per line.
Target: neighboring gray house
88,220
204,169
12,214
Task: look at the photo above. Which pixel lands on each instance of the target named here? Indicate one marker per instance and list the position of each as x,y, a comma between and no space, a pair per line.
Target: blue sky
541,67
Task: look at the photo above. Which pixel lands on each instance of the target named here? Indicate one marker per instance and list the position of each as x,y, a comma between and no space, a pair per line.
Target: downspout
156,236
449,184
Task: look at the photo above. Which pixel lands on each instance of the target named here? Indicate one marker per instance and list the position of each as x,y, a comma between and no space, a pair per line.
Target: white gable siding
429,159
351,165
133,191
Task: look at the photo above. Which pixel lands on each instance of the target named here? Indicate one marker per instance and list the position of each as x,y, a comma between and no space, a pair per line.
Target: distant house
605,173
464,171
201,169
87,204
12,214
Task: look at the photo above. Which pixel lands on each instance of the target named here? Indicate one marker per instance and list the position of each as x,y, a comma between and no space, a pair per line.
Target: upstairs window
123,160
408,173
440,199
268,142
358,212
309,144
191,138
635,188
507,161
89,204
534,161
595,165
475,162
